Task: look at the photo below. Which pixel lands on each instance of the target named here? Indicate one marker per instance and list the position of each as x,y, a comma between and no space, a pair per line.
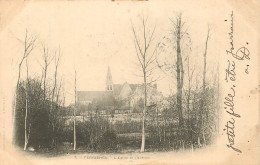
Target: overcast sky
95,35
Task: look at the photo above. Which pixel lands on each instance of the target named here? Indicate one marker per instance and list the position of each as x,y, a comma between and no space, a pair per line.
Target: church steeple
109,82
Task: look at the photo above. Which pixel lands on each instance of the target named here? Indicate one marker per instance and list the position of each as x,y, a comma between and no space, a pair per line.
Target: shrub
107,142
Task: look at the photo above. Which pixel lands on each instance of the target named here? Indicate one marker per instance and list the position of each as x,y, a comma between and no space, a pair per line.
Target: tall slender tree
203,116
179,68
26,132
47,61
174,51
29,43
146,55
55,93
190,72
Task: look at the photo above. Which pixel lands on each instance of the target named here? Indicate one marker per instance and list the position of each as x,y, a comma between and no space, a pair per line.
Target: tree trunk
143,134
204,139
144,111
203,109
199,144
74,113
15,99
179,71
164,130
74,141
25,122
157,122
26,135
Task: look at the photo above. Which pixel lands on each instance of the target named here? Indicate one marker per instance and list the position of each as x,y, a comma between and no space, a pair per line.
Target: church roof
89,95
106,99
118,88
134,86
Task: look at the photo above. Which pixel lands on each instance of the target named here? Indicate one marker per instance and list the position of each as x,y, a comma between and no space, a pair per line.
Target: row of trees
38,100
172,55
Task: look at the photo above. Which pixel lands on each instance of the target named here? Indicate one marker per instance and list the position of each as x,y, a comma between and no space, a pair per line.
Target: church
119,98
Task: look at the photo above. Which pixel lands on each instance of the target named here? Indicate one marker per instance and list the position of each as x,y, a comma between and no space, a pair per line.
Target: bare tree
179,69
205,60
29,44
175,48
146,55
26,133
47,61
55,91
203,116
190,73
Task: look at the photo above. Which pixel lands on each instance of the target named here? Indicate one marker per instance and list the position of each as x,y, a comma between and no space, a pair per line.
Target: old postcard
129,82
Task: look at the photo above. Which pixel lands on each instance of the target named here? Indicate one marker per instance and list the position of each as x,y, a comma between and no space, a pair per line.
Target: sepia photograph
129,82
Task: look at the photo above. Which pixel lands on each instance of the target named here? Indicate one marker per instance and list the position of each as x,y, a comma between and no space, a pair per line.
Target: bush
108,142
83,133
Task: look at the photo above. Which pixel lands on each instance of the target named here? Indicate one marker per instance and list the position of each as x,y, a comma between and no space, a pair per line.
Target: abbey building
119,98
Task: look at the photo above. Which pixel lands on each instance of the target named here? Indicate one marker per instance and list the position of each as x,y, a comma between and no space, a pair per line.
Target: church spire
109,81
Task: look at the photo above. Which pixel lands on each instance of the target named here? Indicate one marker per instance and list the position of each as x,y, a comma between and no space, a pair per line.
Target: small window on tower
108,87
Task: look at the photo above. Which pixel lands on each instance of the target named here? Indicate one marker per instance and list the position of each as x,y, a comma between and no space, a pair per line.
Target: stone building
118,98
